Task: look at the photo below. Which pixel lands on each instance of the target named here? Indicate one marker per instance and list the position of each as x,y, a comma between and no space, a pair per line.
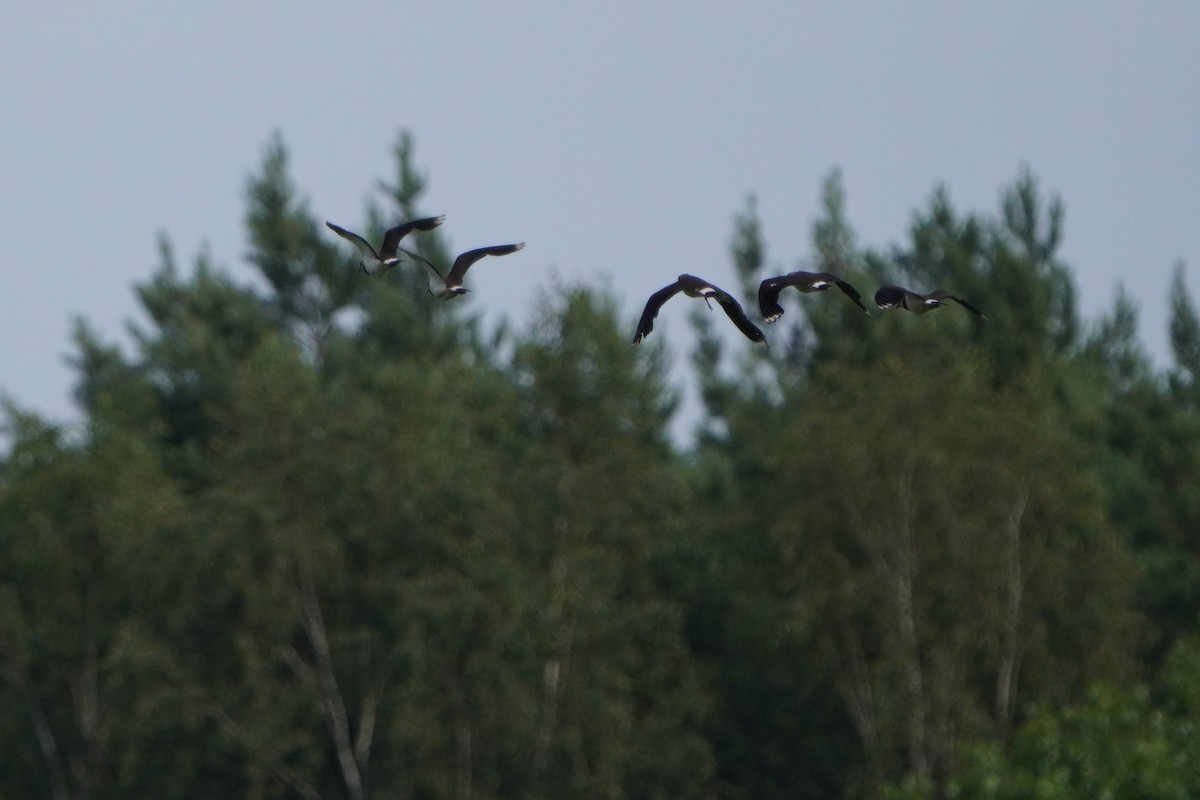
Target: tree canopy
321,537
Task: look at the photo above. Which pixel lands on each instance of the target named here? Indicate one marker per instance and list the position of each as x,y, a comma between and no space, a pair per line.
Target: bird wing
434,273
967,305
768,297
734,311
942,294
890,297
846,288
391,239
362,244
464,261
646,323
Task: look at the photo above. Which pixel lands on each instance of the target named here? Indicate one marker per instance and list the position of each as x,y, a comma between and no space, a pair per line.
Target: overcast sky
618,138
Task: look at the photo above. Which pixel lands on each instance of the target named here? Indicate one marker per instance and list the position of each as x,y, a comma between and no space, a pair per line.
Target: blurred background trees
322,537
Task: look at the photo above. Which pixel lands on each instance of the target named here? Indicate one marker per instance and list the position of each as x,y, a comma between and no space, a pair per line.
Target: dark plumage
451,285
388,256
899,297
807,282
692,286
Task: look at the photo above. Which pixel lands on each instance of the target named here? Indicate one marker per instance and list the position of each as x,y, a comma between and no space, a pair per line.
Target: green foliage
320,537
307,278
1185,337
398,319
912,505
1149,431
1117,743
83,526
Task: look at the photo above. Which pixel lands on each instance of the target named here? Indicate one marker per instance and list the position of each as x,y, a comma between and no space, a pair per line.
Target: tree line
319,537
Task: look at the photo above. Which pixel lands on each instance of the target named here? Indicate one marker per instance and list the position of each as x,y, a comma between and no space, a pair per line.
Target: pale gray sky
616,139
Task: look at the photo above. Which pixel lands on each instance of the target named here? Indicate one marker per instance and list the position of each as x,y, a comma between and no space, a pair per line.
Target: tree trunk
336,718
555,669
854,684
17,673
903,578
1006,673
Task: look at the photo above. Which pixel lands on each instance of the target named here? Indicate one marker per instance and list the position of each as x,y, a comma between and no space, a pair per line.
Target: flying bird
696,287
807,282
451,285
899,297
388,256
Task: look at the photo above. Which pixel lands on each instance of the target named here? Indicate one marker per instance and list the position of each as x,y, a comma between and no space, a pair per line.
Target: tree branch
331,698
239,734
16,670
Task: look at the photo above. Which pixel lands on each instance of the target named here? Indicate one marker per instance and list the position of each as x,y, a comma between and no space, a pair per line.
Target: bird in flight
692,286
389,254
451,285
807,282
899,297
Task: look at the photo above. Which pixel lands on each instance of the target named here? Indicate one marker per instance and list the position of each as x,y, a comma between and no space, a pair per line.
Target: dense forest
325,537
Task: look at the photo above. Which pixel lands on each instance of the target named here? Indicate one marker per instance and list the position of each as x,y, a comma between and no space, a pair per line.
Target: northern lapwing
692,286
807,282
389,255
451,285
899,297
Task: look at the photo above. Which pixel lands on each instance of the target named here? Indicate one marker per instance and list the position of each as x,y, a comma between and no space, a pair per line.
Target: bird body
450,286
807,282
692,286
888,297
377,263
